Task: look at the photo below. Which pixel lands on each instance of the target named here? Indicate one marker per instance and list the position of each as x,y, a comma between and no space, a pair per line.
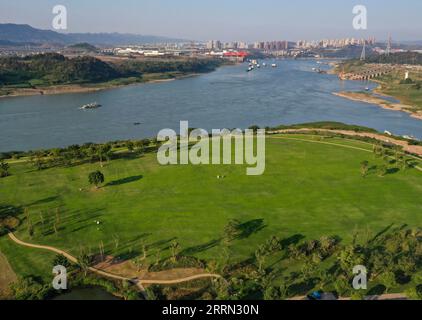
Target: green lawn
309,188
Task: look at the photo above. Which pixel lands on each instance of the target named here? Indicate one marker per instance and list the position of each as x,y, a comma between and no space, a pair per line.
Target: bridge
367,74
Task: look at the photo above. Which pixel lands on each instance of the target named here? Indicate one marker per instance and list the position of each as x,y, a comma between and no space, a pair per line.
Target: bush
30,289
3,231
406,81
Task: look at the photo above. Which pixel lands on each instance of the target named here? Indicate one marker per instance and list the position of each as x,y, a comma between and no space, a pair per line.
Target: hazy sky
248,20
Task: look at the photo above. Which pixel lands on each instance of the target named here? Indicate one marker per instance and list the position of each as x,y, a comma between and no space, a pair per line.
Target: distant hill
23,33
82,47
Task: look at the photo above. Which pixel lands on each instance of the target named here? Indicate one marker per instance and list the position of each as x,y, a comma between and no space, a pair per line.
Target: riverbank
87,88
390,82
368,98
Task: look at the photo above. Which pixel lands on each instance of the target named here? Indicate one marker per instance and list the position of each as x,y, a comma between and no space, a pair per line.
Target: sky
226,20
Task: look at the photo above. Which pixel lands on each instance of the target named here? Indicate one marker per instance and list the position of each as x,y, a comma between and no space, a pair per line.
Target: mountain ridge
24,33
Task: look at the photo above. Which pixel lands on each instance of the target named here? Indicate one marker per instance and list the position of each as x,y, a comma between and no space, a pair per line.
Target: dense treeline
161,66
53,69
409,57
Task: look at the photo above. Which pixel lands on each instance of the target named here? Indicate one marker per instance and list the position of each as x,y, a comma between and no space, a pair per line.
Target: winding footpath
138,282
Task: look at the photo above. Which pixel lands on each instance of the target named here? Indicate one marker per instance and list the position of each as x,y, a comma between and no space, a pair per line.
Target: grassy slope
406,93
308,188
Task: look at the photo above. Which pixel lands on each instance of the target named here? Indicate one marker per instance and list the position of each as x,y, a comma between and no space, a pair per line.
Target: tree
4,169
271,293
29,288
358,295
130,146
96,178
342,286
382,170
104,152
37,160
61,260
284,291
260,254
174,247
232,230
221,288
364,168
349,257
140,145
84,261
413,294
388,279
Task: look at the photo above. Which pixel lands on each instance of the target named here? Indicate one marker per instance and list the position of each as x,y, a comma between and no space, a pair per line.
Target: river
227,98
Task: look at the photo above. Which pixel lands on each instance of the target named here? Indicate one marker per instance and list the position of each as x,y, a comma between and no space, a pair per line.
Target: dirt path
406,147
7,277
139,282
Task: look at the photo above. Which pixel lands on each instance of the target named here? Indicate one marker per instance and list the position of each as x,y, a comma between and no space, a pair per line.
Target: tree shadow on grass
124,181
200,248
43,201
9,211
295,239
251,227
161,243
74,222
379,234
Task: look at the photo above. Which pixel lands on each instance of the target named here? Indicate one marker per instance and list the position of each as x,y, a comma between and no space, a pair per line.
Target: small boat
93,105
274,65
136,123
367,89
264,64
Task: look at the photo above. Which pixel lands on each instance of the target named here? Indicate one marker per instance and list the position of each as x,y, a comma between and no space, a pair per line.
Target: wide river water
227,98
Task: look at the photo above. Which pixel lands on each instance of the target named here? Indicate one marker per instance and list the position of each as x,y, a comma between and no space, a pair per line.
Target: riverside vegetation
42,71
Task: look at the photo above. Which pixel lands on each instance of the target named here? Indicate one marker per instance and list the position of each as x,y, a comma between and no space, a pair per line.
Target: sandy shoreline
362,97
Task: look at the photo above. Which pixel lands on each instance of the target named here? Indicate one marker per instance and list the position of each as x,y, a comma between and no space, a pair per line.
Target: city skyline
246,20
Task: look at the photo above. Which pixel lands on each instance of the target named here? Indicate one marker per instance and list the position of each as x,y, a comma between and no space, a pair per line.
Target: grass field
310,188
